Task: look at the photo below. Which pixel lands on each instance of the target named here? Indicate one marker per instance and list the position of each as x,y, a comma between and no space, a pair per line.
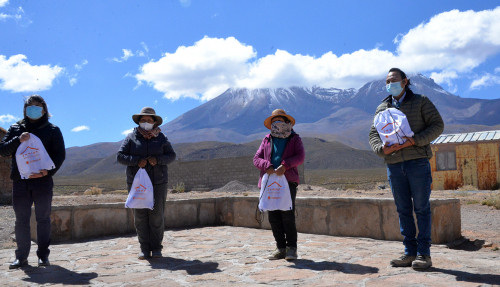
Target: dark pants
411,187
283,223
25,192
150,224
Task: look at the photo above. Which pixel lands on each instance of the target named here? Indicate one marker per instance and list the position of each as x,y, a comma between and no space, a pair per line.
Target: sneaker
291,253
279,253
156,254
403,261
422,262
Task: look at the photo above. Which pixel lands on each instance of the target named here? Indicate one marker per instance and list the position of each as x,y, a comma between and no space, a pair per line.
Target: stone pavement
236,256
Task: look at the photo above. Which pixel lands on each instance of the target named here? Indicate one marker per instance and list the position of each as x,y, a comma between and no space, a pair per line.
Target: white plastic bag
274,193
392,125
141,193
31,157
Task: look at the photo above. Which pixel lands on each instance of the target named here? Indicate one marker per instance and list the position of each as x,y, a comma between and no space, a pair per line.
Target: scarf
281,129
149,134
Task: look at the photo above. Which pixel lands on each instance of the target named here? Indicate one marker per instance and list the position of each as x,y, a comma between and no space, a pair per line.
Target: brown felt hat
148,111
278,113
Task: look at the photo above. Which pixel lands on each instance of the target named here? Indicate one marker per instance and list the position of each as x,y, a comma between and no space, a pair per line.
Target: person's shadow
55,274
192,267
492,279
337,266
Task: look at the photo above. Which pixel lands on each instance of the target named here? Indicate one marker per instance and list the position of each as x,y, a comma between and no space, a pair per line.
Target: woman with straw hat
146,147
280,152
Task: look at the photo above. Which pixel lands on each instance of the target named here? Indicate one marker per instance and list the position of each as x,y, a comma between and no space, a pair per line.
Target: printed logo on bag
274,191
389,129
30,154
140,189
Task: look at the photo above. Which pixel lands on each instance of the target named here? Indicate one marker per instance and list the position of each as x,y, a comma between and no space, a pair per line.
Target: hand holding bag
31,157
275,193
141,193
392,126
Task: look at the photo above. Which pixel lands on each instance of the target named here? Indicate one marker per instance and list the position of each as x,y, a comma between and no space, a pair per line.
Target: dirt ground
480,223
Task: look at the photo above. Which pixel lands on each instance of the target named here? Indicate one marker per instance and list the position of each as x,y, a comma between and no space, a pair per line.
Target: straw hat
278,113
148,111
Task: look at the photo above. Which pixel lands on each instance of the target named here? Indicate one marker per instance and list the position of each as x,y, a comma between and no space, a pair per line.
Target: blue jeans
411,188
25,193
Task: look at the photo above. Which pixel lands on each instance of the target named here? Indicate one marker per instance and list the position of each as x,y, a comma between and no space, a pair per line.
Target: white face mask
146,126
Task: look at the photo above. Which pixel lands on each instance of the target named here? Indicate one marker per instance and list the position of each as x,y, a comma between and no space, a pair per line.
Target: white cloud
16,14
17,75
80,66
126,54
80,128
497,70
484,81
73,81
203,70
8,118
126,132
450,45
3,2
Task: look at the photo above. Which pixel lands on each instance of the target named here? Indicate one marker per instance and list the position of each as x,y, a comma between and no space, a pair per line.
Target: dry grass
94,190
493,200
179,188
364,179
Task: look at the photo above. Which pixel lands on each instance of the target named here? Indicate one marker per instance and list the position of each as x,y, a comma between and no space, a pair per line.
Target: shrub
492,200
94,190
179,188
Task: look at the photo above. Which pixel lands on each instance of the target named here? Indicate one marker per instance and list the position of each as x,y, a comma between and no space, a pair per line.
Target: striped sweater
425,121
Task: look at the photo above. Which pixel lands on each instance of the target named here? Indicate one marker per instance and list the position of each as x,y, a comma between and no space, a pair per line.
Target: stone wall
357,217
5,181
215,173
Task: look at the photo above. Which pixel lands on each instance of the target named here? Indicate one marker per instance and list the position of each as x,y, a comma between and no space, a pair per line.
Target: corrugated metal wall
478,164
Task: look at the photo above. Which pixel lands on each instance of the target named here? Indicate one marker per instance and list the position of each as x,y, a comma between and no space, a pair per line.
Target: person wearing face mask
408,168
280,152
147,147
37,189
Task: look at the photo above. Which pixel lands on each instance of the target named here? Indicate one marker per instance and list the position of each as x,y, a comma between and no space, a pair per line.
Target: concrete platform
236,256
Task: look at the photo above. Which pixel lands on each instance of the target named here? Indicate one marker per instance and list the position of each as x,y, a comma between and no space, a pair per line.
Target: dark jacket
293,156
425,121
49,134
135,147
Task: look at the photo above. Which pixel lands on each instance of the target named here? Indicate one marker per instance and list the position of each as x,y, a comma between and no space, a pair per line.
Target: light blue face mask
34,112
394,88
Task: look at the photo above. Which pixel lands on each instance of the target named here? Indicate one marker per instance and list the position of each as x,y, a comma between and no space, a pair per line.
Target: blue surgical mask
394,88
34,112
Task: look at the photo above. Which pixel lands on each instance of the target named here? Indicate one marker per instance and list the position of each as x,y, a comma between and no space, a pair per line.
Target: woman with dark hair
147,147
37,189
280,152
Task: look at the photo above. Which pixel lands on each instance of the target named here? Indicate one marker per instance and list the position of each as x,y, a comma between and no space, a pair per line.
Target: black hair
403,76
35,99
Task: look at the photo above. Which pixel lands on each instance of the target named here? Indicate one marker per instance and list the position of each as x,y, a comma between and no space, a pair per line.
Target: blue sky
98,62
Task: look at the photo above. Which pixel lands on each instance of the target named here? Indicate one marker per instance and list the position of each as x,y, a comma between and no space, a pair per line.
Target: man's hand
142,163
395,147
24,137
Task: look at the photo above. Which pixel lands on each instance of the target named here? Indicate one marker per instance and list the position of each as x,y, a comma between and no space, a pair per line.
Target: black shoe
43,262
18,263
156,254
